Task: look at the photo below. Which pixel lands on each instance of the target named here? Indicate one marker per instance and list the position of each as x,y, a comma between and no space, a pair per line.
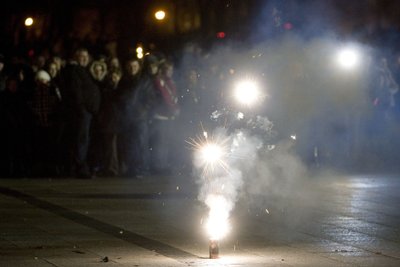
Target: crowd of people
96,116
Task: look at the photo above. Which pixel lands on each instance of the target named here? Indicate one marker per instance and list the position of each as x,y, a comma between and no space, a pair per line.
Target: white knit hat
43,76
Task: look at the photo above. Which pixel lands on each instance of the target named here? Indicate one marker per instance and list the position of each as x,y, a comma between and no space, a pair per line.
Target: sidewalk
156,221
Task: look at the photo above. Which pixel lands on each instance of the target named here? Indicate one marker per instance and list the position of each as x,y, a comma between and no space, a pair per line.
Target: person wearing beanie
43,77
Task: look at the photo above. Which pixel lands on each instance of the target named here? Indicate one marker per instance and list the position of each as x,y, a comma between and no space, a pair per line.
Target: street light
28,21
160,15
139,52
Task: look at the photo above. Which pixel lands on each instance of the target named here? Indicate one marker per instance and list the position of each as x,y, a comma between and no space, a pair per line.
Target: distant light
221,35
159,15
28,21
288,26
31,53
139,52
348,58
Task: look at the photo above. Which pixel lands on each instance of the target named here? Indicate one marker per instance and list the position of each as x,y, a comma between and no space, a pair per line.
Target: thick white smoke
304,84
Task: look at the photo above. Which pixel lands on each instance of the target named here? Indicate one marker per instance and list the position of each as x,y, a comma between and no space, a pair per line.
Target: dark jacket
120,111
145,98
78,89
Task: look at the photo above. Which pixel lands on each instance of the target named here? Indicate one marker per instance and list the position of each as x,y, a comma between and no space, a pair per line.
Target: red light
31,52
221,35
288,26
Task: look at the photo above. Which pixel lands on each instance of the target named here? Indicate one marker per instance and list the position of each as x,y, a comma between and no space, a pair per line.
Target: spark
211,153
270,147
247,92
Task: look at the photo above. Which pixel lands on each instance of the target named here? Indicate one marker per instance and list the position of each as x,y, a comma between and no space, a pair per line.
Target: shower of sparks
217,224
211,153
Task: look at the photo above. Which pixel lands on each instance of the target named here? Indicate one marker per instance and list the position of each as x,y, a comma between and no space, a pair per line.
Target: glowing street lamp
28,22
160,15
139,52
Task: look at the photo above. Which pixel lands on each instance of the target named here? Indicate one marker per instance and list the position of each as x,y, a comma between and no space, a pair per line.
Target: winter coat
78,89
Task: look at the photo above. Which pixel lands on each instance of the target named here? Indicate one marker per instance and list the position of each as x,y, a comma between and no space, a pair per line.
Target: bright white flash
217,224
247,92
211,153
348,58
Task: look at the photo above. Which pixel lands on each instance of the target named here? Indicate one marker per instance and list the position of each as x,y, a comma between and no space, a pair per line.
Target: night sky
63,25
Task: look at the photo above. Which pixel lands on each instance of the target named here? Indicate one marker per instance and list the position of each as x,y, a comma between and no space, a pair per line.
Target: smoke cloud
304,85
308,95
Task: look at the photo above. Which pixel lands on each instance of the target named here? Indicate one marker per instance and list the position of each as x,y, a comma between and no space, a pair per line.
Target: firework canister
214,249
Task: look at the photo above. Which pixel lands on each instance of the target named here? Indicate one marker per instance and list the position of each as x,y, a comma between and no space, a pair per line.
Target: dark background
117,26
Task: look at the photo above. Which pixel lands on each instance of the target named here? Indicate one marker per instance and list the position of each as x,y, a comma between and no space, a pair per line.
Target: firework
247,92
210,154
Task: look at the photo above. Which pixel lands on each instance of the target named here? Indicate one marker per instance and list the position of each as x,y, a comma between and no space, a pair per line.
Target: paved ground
327,220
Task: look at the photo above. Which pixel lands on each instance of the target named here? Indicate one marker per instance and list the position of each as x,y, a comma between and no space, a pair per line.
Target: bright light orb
348,58
211,153
247,92
28,21
159,15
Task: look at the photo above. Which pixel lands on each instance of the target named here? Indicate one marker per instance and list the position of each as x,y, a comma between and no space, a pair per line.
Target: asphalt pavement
326,219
